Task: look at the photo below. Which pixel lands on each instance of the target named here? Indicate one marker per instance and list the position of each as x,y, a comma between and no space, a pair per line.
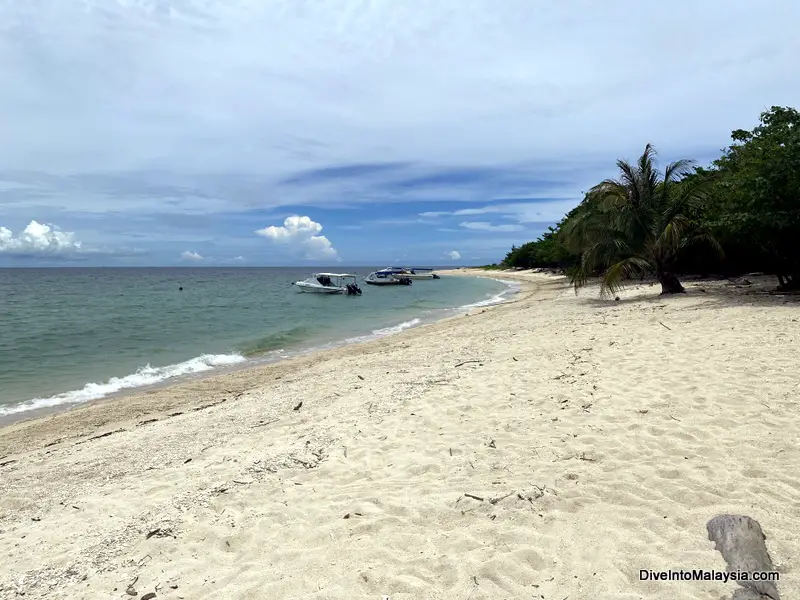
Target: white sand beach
548,448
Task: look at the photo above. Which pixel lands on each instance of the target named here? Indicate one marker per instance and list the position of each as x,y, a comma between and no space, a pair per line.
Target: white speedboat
330,283
410,272
386,278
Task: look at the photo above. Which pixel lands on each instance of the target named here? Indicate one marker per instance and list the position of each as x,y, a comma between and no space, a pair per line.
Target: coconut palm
638,224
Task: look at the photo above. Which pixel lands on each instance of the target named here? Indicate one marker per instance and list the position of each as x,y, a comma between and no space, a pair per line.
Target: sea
72,335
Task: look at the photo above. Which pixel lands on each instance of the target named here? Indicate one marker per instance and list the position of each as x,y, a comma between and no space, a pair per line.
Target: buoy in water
180,289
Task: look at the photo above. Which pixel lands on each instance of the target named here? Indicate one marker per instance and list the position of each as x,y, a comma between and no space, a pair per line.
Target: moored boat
385,278
329,283
410,272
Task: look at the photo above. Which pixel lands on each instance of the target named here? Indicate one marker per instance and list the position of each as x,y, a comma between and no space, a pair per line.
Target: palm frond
668,243
705,238
630,182
616,275
678,169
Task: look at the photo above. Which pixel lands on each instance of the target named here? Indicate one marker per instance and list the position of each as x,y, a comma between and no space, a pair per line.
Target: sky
360,132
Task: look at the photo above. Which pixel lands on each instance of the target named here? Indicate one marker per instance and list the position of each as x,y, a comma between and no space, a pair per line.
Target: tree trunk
669,283
788,283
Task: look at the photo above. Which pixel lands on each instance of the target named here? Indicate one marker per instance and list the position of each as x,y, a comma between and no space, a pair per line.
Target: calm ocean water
72,335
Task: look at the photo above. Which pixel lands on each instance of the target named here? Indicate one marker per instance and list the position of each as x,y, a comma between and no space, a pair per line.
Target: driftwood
466,362
741,543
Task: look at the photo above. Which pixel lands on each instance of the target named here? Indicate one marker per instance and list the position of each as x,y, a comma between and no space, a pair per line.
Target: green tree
757,193
638,224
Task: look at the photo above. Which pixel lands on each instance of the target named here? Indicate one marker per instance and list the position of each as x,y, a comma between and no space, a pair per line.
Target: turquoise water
72,335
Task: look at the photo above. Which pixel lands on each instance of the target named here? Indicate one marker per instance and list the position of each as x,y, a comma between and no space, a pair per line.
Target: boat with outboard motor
385,278
330,283
410,272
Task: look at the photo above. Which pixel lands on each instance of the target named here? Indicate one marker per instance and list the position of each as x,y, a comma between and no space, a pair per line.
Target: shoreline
143,398
550,446
252,362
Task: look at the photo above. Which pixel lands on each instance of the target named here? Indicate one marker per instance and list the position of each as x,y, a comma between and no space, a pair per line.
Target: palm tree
638,225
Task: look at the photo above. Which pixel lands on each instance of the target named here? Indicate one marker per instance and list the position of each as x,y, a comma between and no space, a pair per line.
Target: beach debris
8,462
474,497
616,299
102,435
348,515
515,359
740,540
361,377
265,423
466,362
492,444
161,532
148,596
37,519
188,460
298,406
146,421
130,590
664,326
499,498
205,406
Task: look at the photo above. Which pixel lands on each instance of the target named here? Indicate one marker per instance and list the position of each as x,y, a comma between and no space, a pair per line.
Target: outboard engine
405,281
435,276
353,289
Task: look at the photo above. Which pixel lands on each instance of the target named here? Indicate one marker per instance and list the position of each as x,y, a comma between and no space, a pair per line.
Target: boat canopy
333,275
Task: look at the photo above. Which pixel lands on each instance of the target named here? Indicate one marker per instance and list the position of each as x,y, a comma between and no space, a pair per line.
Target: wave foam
396,328
144,376
513,288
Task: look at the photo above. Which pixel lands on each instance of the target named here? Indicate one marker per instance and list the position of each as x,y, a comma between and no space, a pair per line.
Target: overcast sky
261,132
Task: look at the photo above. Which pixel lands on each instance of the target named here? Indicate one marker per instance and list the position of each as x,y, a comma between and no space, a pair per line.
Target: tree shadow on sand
758,291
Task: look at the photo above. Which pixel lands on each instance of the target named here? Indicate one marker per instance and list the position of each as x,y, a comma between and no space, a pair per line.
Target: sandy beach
547,448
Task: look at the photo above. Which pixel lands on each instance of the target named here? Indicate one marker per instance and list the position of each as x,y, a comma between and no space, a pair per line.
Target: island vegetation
739,215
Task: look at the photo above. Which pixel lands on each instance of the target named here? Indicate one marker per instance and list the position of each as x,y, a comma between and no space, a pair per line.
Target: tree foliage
739,215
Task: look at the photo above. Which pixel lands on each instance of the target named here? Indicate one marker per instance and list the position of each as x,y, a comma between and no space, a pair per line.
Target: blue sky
288,132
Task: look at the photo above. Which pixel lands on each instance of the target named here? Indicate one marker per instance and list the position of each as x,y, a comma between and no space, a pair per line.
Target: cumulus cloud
38,239
455,255
486,226
189,255
301,234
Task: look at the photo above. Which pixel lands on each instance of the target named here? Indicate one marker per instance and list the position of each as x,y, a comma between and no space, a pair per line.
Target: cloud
531,211
238,258
455,255
189,255
211,108
486,226
38,239
301,234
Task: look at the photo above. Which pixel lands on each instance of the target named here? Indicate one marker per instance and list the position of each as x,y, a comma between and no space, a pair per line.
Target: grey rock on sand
741,543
